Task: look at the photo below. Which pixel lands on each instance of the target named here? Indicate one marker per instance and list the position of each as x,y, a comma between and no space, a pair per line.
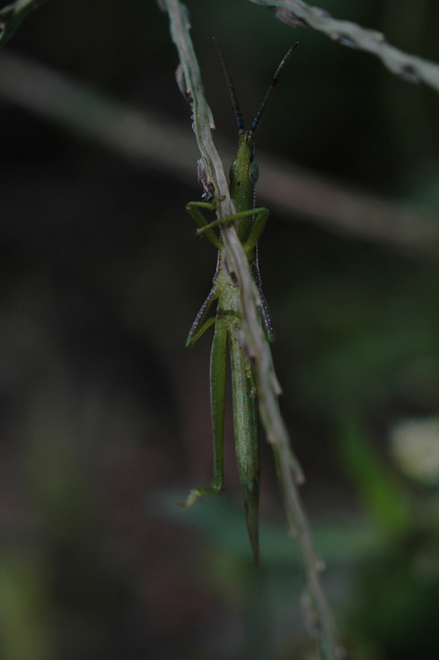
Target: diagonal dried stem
408,67
320,619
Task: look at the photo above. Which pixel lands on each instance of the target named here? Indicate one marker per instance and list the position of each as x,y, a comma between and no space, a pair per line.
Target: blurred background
104,414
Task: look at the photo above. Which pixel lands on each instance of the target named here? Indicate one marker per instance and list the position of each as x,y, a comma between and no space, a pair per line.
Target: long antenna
271,87
231,87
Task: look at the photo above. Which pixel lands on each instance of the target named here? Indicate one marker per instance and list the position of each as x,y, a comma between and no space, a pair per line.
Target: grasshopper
249,223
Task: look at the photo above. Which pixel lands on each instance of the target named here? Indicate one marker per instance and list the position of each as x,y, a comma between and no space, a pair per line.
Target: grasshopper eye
254,172
232,171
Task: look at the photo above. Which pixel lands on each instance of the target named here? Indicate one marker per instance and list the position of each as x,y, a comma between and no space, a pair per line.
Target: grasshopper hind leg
217,398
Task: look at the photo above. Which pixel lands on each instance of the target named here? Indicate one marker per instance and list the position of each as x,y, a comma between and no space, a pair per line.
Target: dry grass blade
410,68
258,349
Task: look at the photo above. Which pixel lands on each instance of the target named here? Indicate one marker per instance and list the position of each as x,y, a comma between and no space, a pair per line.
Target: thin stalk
258,349
410,68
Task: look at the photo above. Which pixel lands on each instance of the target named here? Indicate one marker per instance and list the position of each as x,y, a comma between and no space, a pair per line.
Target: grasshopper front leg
260,220
195,211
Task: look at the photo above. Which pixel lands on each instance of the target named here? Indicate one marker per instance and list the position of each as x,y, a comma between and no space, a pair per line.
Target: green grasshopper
249,223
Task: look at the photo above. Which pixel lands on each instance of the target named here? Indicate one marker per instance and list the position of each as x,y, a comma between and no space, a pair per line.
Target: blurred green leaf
24,633
386,502
220,522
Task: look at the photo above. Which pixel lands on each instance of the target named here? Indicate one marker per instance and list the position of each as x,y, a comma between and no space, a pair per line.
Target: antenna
271,87
231,86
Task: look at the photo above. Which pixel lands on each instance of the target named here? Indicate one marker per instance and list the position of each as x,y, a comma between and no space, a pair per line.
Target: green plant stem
189,77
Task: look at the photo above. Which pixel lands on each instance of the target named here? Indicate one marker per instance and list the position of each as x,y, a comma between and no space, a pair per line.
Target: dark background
104,415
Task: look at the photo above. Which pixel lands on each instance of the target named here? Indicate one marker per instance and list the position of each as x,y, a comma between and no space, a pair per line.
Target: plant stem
258,349
410,68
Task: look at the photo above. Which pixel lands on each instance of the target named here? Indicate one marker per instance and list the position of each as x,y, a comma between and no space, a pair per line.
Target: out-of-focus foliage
102,410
